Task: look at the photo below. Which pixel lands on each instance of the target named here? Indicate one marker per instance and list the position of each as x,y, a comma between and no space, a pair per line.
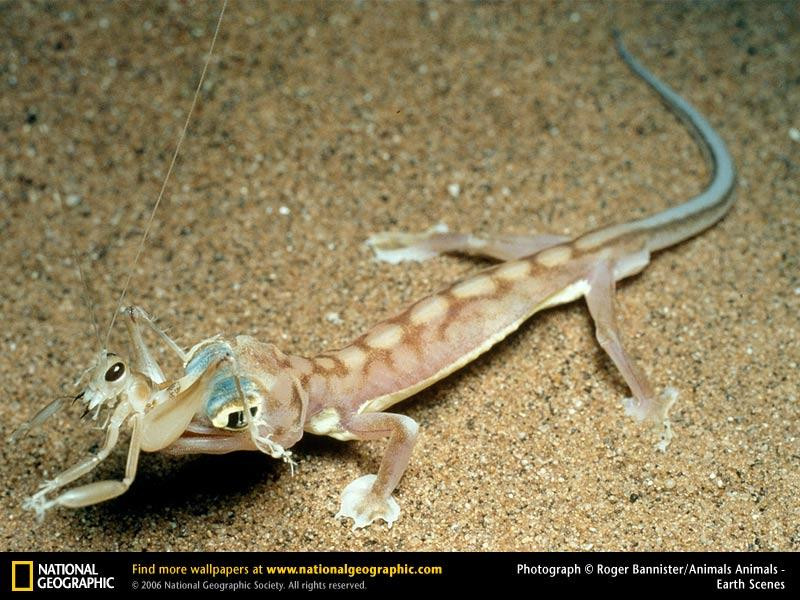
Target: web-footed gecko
345,393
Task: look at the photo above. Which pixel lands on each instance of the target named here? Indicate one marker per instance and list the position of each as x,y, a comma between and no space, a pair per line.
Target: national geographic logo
27,577
21,575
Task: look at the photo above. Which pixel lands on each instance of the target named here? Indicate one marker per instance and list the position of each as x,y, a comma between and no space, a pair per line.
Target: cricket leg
143,358
100,491
209,444
38,502
176,406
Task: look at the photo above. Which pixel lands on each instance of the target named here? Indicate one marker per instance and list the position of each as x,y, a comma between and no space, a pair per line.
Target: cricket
238,393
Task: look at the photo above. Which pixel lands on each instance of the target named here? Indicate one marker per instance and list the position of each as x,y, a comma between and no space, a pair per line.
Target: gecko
243,394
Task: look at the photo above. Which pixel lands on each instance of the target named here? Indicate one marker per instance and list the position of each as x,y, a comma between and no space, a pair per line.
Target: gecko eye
115,371
236,418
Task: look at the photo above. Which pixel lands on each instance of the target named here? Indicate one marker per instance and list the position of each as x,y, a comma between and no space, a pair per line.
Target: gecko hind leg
396,246
369,498
645,404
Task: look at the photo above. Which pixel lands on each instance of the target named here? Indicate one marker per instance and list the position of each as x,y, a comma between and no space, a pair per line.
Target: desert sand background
322,122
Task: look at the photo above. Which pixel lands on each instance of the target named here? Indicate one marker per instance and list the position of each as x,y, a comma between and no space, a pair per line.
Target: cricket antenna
87,298
86,293
166,177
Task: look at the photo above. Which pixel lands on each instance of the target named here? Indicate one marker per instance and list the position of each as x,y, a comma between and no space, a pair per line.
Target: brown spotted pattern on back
440,329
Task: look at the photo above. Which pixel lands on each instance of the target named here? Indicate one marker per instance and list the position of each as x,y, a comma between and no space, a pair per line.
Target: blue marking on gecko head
223,405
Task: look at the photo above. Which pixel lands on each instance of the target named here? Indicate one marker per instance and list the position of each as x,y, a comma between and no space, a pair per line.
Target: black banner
146,573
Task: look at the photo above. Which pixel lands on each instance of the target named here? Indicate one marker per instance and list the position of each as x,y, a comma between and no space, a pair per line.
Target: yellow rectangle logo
23,575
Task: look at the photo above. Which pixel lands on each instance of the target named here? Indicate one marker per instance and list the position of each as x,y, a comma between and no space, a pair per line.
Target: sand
321,123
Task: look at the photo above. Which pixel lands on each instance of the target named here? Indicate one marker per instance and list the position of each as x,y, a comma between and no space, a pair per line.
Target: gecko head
275,403
273,395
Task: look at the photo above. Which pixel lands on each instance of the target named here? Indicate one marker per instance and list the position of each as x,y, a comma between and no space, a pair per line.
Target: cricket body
242,394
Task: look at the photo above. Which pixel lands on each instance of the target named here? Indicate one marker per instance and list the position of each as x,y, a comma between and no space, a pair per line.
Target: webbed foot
361,505
397,246
655,412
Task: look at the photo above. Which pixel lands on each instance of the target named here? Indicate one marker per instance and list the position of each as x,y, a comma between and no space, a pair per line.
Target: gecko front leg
369,497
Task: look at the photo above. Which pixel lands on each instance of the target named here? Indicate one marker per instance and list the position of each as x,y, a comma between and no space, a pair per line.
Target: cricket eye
115,371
